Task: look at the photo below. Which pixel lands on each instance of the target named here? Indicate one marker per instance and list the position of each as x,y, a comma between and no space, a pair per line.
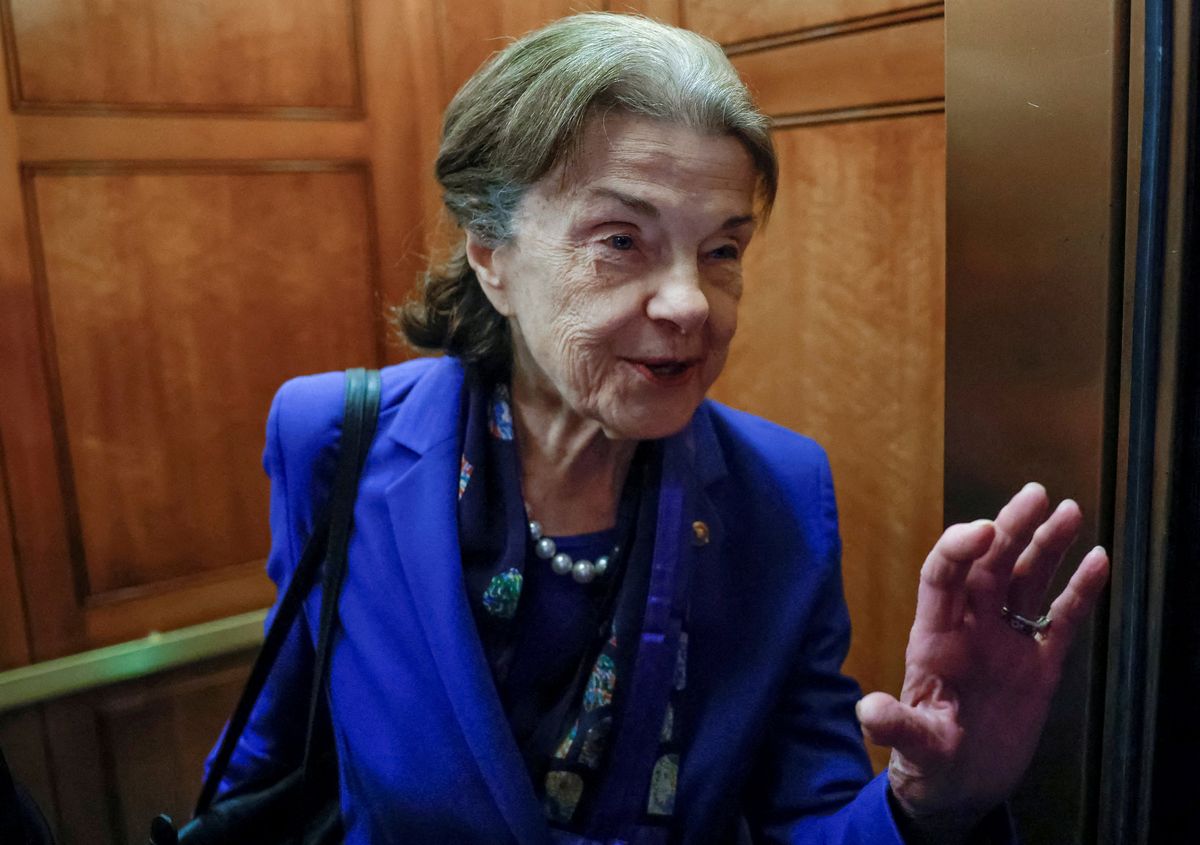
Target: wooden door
188,202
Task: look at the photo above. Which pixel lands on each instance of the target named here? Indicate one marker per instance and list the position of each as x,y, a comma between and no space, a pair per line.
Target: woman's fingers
915,733
940,597
987,585
1041,558
1076,601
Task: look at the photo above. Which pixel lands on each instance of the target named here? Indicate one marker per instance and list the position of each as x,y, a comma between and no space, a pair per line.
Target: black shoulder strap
329,538
362,411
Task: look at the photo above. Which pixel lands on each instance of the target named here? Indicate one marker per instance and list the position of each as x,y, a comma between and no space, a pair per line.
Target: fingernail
1100,549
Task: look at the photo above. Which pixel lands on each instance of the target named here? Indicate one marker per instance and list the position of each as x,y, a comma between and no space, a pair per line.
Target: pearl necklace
583,571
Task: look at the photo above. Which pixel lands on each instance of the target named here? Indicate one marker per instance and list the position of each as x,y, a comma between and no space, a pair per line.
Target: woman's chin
652,424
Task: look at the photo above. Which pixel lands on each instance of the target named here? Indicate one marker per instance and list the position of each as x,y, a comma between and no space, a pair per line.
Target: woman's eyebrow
637,204
649,209
739,220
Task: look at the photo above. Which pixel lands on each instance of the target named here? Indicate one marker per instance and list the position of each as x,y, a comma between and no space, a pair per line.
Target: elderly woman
584,603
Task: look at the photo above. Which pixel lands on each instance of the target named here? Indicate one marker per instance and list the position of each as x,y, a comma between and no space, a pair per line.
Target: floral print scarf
493,535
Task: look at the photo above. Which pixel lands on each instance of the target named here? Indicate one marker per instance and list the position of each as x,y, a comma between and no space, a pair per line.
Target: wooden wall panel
220,55
730,23
49,137
123,754
667,11
404,95
896,64
471,31
841,338
14,645
19,381
157,736
175,303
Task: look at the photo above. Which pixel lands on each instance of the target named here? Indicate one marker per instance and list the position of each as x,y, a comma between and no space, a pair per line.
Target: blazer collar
429,413
703,449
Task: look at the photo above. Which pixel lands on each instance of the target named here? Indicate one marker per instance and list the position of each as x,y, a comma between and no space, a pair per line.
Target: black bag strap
330,536
362,411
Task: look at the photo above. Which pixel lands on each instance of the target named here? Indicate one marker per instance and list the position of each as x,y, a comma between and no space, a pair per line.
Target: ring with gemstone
1025,625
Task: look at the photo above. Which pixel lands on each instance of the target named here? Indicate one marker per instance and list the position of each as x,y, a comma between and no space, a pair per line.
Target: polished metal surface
1139,799
1036,126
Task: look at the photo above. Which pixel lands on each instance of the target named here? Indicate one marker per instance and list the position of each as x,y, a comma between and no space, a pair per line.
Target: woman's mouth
665,372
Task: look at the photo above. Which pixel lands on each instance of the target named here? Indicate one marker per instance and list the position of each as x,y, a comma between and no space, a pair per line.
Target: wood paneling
841,337
18,383
157,737
730,23
404,92
175,303
122,755
667,11
471,31
14,645
220,55
169,138
897,64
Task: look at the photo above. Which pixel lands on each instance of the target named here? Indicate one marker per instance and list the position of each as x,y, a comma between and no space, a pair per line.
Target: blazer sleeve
814,785
272,742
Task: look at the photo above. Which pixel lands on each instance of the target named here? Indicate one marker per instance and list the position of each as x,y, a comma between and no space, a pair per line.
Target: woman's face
622,282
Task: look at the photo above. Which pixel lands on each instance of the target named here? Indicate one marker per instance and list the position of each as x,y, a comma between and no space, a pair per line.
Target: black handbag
300,807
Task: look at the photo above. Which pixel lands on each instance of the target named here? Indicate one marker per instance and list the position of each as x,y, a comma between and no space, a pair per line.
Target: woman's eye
622,243
726,252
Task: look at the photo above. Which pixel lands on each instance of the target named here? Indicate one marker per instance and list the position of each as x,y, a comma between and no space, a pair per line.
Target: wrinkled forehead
643,154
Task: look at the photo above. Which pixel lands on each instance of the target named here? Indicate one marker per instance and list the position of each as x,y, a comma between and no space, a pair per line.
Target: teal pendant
502,594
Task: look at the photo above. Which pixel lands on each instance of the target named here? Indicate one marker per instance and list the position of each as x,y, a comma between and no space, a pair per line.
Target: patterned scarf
576,733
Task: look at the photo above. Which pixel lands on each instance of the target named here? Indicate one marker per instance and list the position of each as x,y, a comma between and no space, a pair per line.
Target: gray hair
523,113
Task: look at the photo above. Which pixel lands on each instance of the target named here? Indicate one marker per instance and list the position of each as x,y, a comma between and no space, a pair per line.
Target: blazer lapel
423,509
696,458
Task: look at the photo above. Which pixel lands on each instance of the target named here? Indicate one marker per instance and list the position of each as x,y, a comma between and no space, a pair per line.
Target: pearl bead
583,572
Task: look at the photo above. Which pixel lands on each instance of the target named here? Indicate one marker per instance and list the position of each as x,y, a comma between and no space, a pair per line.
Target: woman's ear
482,259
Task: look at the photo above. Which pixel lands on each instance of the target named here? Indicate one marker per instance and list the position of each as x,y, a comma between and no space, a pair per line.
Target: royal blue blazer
424,748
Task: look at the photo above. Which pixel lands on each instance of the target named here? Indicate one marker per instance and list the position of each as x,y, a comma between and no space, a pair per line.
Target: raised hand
978,680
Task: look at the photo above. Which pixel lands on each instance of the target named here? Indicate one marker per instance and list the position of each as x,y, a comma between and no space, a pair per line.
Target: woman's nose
678,299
